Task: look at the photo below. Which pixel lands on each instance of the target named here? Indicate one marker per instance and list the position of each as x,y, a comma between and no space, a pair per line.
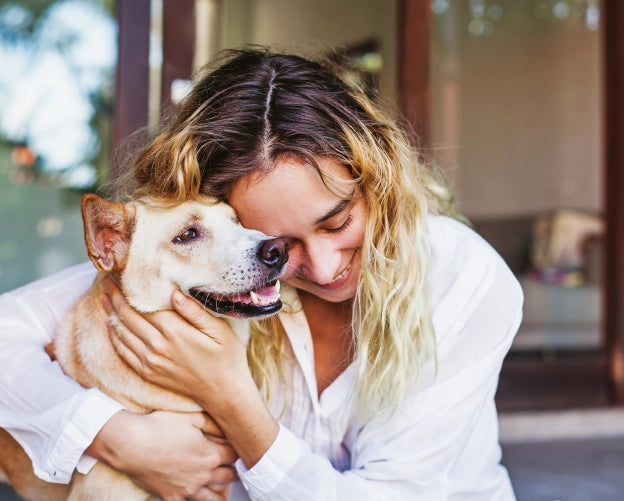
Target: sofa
563,301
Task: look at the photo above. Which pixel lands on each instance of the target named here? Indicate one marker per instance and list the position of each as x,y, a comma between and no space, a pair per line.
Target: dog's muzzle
264,299
261,302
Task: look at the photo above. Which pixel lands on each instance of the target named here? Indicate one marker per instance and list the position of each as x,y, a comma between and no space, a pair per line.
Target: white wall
517,114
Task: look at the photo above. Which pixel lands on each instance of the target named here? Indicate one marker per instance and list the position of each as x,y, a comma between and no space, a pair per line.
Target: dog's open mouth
262,301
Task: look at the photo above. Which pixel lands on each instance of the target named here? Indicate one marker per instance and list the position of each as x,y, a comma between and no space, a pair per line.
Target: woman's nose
316,261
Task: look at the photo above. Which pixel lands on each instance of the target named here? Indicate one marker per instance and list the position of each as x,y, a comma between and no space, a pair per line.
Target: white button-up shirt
441,444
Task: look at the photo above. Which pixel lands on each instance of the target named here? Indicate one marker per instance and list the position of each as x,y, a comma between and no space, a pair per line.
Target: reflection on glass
57,66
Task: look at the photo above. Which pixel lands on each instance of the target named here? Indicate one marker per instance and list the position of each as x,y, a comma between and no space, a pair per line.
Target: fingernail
178,297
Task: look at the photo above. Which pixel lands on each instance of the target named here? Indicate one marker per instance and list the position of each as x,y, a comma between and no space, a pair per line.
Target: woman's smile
342,277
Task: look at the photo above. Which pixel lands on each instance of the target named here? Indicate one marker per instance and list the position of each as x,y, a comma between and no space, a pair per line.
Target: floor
565,456
567,470
558,456
6,493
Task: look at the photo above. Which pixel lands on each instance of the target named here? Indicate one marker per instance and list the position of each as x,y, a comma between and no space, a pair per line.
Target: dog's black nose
273,253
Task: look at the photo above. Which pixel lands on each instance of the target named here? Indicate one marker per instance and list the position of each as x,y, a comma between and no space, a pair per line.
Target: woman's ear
108,228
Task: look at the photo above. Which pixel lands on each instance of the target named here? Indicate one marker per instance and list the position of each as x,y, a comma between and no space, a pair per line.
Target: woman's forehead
292,190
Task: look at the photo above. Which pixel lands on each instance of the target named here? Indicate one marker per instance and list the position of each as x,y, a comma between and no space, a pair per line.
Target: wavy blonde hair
255,107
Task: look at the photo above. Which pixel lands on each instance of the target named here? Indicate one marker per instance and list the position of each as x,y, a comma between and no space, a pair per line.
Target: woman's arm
167,453
55,419
50,415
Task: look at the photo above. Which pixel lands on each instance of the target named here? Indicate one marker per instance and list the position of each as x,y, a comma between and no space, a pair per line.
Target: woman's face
325,229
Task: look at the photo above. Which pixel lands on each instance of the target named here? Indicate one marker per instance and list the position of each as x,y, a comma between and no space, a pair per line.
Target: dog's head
196,246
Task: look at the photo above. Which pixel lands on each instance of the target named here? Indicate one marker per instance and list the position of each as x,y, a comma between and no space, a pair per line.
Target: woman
377,380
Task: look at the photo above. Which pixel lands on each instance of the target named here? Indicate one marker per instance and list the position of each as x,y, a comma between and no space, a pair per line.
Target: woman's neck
330,327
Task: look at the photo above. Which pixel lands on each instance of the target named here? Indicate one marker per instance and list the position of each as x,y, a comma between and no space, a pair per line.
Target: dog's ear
108,228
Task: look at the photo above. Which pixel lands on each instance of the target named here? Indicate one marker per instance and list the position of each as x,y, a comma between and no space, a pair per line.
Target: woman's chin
328,293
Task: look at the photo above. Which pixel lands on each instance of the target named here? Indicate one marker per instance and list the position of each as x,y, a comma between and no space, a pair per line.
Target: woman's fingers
165,452
188,351
206,424
227,455
150,327
121,344
136,323
211,493
197,316
224,475
136,338
207,494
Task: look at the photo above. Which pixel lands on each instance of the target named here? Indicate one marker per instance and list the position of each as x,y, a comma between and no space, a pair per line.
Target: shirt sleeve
442,443
52,417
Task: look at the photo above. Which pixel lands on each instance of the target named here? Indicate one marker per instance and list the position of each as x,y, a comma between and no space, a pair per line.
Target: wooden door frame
613,52
178,44
131,104
414,66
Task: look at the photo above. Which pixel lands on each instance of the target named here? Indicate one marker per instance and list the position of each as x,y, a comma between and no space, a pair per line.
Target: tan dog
150,250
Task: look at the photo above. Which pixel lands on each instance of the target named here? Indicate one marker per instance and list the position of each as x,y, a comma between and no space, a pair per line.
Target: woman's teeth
343,274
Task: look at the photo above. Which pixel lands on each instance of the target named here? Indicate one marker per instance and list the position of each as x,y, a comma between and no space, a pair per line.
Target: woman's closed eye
342,227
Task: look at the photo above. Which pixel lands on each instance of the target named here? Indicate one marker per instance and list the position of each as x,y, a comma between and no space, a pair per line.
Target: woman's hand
193,353
167,453
190,352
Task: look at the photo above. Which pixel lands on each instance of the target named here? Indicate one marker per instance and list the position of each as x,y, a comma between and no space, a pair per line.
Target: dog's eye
187,235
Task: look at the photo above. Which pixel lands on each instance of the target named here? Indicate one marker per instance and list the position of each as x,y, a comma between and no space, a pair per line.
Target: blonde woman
377,379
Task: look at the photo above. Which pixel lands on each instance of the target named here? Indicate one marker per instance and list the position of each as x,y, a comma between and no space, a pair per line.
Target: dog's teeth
277,286
254,297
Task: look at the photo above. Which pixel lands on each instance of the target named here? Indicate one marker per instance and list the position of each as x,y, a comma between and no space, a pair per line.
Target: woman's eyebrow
337,209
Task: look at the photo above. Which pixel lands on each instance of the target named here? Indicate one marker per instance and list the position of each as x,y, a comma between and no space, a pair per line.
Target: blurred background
517,100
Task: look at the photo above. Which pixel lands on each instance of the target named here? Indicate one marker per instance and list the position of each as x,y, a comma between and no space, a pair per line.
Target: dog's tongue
266,295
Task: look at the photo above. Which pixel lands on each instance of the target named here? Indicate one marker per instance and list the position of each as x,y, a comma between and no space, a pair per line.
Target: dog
151,248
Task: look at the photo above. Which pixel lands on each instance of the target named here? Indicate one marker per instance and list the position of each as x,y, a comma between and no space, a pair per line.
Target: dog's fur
150,250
